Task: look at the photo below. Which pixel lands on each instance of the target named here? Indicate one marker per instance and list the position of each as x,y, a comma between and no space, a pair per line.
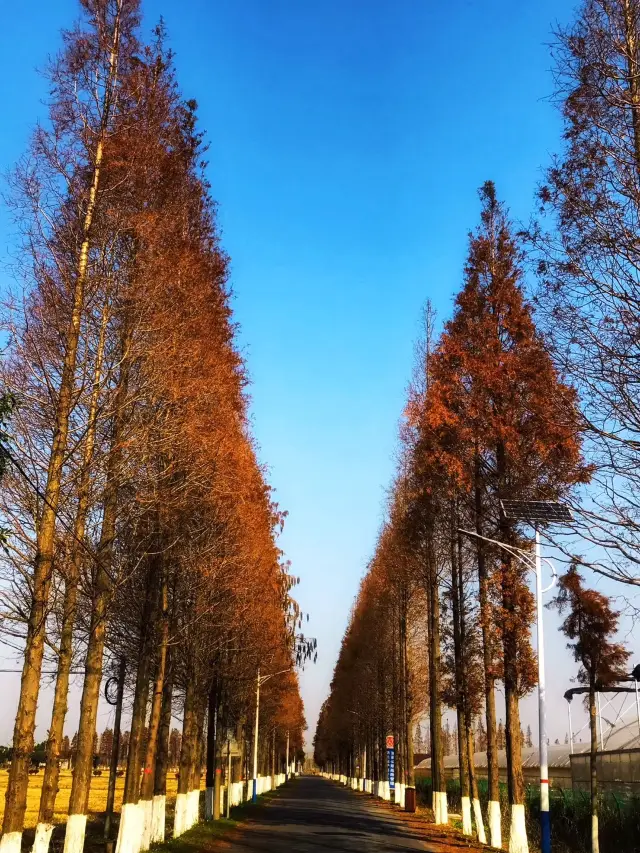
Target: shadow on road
312,815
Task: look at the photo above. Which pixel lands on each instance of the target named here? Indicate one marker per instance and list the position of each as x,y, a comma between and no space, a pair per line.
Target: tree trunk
24,727
212,727
196,767
488,646
141,696
79,798
473,783
630,51
593,726
148,777
189,727
456,607
65,659
162,757
408,711
440,808
515,780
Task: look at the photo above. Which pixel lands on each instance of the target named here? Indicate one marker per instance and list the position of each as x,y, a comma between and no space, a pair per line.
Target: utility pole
228,776
259,681
536,513
254,798
287,767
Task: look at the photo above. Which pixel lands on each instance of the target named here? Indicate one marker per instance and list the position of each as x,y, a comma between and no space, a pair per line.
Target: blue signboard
391,764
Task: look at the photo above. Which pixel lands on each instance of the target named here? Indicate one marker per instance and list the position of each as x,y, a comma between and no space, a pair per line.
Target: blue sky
347,142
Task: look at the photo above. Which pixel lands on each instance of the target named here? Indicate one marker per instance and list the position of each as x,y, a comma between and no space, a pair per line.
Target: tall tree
503,419
588,254
591,625
84,110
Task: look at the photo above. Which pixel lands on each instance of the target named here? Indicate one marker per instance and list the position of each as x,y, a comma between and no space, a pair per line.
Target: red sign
389,741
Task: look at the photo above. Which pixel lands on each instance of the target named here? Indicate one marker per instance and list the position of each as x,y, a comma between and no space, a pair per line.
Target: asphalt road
313,815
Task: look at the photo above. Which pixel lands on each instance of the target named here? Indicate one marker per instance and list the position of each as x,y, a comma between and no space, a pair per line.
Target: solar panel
548,512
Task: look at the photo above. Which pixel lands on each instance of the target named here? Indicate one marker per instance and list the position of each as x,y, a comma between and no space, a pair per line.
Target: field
97,797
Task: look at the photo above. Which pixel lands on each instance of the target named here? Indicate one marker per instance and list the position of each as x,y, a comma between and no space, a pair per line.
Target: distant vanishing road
313,815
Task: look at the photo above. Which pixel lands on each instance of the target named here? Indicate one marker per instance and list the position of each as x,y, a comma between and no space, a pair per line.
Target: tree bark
593,773
81,783
162,758
435,694
147,784
456,606
141,695
633,79
515,780
65,659
488,645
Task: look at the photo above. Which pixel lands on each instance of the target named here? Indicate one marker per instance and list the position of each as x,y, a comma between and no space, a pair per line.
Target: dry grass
97,796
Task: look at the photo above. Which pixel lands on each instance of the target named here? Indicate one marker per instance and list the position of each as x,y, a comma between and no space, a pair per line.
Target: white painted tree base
11,842
208,803
495,824
440,807
193,808
158,813
467,828
477,813
146,817
74,833
180,816
130,829
595,840
518,834
42,838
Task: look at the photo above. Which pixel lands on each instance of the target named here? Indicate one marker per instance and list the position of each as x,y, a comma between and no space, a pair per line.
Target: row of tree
140,533
487,419
499,409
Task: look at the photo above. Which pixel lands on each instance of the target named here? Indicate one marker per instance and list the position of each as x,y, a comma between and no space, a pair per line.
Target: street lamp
286,775
261,679
536,513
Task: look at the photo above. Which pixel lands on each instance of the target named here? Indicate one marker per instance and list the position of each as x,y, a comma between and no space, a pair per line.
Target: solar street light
539,514
536,512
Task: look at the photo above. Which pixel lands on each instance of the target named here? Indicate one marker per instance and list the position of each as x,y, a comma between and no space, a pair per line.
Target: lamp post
536,513
261,679
286,775
363,769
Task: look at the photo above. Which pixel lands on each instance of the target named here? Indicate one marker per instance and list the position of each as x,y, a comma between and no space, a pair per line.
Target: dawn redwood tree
505,421
85,80
69,606
591,625
587,248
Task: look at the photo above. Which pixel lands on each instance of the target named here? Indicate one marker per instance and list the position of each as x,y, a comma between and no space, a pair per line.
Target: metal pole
545,821
637,704
115,749
255,742
287,769
228,776
570,730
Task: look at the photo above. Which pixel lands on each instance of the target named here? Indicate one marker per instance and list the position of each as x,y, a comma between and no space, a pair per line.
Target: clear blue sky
348,139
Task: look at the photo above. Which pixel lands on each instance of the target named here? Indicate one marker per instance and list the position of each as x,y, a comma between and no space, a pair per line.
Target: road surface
313,815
